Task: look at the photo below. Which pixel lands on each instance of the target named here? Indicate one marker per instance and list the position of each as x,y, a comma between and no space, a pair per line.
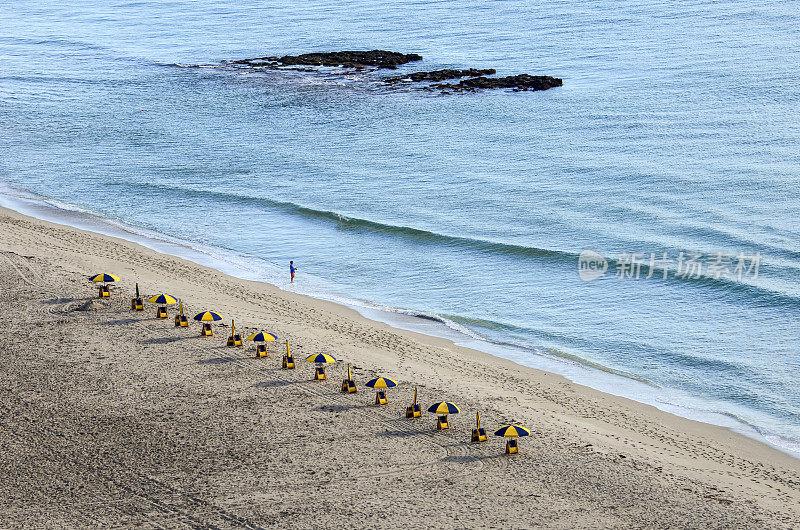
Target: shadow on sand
121,322
217,360
472,458
274,384
163,340
400,434
337,408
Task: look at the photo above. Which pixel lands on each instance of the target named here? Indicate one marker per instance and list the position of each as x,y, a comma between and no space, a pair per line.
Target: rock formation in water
345,59
520,82
440,75
376,59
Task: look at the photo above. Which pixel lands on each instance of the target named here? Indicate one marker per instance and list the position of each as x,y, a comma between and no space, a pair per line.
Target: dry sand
113,418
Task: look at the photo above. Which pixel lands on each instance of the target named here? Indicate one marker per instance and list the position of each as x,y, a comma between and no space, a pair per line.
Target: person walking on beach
292,270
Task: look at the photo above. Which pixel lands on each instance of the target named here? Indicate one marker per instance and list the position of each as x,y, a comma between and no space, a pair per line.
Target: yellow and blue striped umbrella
105,278
512,431
262,336
381,382
208,316
163,299
444,407
320,358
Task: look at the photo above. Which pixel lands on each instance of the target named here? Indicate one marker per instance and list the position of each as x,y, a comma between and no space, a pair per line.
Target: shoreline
577,372
595,459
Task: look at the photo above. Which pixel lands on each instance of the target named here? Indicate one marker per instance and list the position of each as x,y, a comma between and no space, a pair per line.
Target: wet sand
115,418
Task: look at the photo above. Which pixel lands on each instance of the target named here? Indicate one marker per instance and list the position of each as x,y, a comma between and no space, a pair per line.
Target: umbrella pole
136,302
348,385
234,339
179,318
288,359
478,433
414,410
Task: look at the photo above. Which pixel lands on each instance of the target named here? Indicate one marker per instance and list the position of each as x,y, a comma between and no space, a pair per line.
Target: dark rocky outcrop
346,59
520,82
440,75
476,79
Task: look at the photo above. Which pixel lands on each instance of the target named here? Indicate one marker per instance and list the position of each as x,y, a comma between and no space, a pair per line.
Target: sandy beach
112,418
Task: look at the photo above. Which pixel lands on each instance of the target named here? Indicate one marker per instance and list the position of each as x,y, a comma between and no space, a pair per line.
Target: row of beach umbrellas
442,408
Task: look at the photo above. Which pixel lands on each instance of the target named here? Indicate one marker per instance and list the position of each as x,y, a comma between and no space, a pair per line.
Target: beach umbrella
444,408
163,299
262,336
208,316
512,431
378,383
104,291
322,358
104,278
381,382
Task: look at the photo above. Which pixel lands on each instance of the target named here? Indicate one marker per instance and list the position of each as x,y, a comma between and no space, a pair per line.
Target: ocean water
676,132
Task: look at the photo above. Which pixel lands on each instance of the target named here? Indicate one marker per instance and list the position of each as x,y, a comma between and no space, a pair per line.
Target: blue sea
674,140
